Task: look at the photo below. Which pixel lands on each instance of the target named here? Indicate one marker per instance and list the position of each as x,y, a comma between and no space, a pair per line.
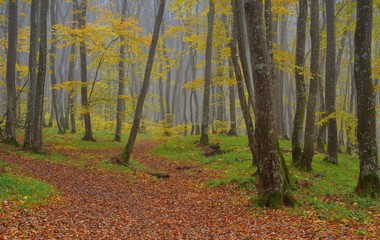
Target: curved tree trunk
144,90
272,170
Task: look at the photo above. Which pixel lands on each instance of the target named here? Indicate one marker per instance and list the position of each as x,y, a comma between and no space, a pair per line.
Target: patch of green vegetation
329,190
22,191
235,165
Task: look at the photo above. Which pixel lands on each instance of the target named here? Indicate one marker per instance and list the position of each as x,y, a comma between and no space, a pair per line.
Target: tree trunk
300,84
53,53
308,152
33,49
232,91
71,97
369,183
83,64
272,170
206,95
120,108
332,143
144,90
11,120
37,144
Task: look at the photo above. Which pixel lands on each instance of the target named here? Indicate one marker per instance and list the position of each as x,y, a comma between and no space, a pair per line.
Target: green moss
369,186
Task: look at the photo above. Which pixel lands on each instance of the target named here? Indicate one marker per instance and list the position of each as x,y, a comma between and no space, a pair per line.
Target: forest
189,119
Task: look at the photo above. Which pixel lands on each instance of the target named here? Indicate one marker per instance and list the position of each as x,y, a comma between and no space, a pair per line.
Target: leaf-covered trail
102,205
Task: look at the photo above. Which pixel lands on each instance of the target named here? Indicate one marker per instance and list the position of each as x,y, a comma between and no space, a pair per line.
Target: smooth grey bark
272,170
120,105
369,183
11,120
299,117
72,93
53,53
33,50
206,94
144,90
37,144
282,80
232,91
83,65
310,137
330,86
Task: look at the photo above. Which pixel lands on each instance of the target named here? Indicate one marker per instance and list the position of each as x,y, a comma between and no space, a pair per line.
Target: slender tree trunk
369,183
83,59
37,144
232,91
33,49
72,93
206,95
308,152
11,120
300,84
53,53
144,90
272,170
120,108
282,80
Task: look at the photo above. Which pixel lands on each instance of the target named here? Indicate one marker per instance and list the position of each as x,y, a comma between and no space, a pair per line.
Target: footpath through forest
107,205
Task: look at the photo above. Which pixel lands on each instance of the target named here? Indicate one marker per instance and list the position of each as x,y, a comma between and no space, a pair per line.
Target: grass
22,191
330,197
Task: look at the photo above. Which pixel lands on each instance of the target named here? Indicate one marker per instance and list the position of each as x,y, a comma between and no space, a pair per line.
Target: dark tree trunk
299,117
233,125
53,53
83,64
332,143
272,170
313,89
11,120
206,95
369,183
282,80
71,97
120,105
37,144
144,90
33,49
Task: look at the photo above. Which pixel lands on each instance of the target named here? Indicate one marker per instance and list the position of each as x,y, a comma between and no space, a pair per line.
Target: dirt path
97,205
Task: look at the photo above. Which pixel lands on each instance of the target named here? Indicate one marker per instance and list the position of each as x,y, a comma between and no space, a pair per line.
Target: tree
308,151
33,50
330,86
37,144
369,183
206,94
272,171
300,84
53,53
120,108
83,66
11,120
144,90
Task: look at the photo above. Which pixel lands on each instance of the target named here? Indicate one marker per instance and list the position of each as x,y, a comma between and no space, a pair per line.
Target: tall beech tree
207,86
310,137
144,90
37,144
272,170
330,86
120,105
33,50
369,183
300,84
11,120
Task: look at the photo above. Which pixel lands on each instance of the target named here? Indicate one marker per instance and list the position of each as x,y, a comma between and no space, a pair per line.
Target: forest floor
98,202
